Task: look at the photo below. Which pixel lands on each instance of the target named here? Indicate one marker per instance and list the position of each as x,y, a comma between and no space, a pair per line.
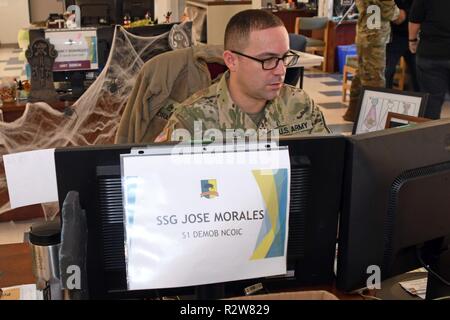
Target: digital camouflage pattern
371,49
291,113
388,11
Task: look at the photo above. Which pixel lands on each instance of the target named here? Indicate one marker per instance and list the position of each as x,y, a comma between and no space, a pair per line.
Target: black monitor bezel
76,170
373,161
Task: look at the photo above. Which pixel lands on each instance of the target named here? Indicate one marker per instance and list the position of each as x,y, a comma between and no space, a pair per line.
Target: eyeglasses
289,59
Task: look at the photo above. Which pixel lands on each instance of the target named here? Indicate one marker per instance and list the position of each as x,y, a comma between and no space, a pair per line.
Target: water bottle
45,239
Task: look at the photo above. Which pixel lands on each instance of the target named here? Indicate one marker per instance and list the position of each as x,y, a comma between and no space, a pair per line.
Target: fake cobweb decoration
94,118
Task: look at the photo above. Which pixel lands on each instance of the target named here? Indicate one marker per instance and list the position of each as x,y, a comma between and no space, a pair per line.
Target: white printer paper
31,177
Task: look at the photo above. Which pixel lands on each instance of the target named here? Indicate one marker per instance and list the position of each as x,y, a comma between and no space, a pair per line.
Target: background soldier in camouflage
251,94
371,43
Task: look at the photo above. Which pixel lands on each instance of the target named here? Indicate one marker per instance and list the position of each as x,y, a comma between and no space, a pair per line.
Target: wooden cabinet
15,265
344,34
288,16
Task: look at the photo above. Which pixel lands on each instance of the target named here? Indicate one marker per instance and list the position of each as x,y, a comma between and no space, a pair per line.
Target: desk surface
307,60
16,269
15,265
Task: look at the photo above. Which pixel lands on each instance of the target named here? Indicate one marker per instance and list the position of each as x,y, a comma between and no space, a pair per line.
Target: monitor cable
427,267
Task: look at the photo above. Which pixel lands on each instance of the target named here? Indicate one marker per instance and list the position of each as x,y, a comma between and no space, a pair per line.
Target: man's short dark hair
241,24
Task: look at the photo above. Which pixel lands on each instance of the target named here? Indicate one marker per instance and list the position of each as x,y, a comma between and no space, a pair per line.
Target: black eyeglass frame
290,53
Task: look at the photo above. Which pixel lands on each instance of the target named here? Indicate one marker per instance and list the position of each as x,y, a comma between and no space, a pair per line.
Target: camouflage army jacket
377,35
291,113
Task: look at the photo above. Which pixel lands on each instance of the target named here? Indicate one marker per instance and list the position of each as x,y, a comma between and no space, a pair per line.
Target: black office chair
296,42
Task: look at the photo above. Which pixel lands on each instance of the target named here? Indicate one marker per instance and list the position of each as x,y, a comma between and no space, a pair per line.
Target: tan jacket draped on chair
164,80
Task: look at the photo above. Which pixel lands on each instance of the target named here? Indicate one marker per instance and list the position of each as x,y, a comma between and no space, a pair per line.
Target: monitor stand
392,290
76,87
440,264
213,291
71,96
435,287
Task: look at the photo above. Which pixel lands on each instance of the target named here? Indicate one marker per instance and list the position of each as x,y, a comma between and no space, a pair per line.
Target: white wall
258,4
161,7
177,8
14,15
325,8
174,7
181,6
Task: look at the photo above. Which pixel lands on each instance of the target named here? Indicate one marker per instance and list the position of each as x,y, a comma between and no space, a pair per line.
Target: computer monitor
316,176
77,56
317,164
77,49
98,12
396,205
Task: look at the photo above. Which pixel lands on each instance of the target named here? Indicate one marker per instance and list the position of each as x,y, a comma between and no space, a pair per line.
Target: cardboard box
295,295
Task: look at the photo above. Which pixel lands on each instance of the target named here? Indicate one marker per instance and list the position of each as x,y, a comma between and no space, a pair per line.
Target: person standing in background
371,42
398,47
433,50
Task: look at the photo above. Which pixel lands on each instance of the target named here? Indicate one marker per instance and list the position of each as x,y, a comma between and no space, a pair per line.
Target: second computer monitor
396,204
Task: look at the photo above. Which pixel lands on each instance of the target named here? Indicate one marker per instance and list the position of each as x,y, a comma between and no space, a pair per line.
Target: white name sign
204,218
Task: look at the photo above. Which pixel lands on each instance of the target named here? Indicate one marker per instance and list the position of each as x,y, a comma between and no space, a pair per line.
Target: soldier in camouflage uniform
371,43
251,94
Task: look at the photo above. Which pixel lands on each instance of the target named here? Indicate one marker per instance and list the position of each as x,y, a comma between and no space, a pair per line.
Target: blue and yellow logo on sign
209,189
273,185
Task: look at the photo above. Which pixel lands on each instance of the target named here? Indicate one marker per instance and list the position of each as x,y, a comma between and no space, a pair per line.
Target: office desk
306,60
16,269
288,16
12,111
343,34
15,265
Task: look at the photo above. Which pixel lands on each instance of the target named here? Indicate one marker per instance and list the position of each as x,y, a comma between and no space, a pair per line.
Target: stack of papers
23,292
416,287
